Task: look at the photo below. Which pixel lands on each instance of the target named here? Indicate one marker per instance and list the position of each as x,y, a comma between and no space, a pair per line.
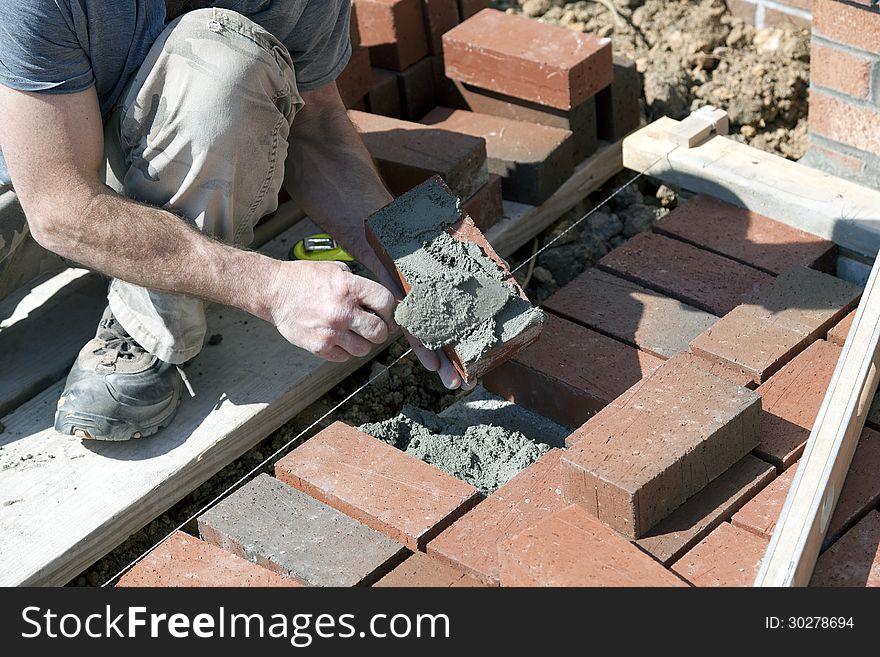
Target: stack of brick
675,472
845,90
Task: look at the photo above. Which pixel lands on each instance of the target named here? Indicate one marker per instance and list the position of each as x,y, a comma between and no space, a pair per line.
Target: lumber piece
806,514
780,189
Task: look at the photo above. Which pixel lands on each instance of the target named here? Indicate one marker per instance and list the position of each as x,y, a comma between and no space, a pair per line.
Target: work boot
116,389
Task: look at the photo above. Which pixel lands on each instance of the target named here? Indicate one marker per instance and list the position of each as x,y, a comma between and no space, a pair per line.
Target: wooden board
522,222
65,503
791,193
797,539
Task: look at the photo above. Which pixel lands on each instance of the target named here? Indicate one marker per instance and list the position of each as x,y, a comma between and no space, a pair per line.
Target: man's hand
325,309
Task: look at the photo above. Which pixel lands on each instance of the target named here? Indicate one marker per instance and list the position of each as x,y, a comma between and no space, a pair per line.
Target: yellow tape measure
319,247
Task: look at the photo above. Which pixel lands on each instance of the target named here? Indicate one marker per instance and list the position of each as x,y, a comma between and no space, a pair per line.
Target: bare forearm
330,174
153,248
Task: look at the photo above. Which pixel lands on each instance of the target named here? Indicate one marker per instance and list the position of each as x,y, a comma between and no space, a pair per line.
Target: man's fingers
369,326
448,375
427,357
375,297
354,344
334,354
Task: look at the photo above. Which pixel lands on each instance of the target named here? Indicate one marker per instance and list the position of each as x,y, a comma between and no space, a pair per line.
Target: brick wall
767,13
845,90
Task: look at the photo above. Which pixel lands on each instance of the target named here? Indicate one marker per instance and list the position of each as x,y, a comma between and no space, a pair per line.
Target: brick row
423,571
401,496
778,321
292,534
570,373
655,446
573,548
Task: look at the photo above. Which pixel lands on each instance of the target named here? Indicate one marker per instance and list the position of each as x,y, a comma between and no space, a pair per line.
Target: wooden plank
522,222
791,193
794,547
65,503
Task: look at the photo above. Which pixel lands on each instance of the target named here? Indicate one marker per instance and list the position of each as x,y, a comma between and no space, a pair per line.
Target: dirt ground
691,53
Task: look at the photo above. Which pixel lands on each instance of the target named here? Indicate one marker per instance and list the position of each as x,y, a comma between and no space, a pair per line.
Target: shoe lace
116,344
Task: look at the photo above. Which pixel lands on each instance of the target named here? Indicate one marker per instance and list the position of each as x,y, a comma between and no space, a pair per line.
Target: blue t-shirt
65,46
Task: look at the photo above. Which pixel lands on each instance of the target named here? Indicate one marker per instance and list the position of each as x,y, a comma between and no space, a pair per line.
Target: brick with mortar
846,24
791,401
658,444
839,70
854,560
386,489
393,30
570,373
728,556
184,560
544,63
860,494
280,528
746,236
716,503
532,160
409,153
699,278
423,571
630,313
572,548
844,122
472,541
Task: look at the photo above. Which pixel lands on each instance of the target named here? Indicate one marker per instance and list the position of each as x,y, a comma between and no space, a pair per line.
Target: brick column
845,90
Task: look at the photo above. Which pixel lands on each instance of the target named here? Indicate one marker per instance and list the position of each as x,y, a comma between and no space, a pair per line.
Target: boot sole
89,426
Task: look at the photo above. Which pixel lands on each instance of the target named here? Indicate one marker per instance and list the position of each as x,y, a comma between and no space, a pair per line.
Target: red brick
780,320
791,401
852,164
716,503
841,121
486,206
386,489
776,18
440,17
746,236
383,230
422,571
839,332
356,78
393,30
702,279
384,95
408,154
846,24
417,93
580,120
570,373
546,64
630,313
572,548
184,560
719,368
532,160
854,560
278,527
618,109
840,70
470,7
860,493
727,557
472,541
660,443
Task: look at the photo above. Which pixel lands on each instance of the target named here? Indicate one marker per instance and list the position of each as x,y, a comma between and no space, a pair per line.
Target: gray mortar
482,439
459,296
